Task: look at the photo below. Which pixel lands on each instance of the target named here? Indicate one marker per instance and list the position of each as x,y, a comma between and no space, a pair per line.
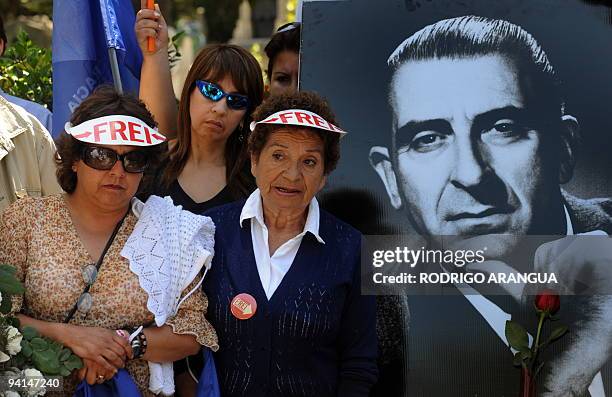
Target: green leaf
517,336
65,371
6,304
46,362
18,360
557,333
10,285
537,371
74,362
65,354
39,344
55,347
29,333
14,321
178,36
518,360
525,354
25,70
8,269
26,349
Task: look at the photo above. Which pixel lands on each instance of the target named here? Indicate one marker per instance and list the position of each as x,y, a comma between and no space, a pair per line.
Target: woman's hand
93,373
151,23
155,81
102,346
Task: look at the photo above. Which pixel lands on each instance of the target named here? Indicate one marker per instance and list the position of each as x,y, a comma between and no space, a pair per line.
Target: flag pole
112,56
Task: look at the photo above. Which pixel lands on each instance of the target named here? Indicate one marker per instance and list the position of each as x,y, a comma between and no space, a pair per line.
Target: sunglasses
85,301
215,94
101,158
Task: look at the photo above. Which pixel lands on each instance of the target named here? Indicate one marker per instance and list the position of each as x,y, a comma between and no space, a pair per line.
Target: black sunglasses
101,158
215,94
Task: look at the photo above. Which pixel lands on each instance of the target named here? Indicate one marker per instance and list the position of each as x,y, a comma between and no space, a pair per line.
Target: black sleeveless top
179,197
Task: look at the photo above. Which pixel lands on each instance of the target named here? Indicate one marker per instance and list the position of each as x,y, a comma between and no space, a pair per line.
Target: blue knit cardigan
316,336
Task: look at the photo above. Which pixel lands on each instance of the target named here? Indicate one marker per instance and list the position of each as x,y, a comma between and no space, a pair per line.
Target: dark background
345,46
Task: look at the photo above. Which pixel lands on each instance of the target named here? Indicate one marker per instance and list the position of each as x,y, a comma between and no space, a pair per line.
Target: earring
241,132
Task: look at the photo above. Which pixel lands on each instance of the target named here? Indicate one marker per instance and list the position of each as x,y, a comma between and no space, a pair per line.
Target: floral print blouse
38,238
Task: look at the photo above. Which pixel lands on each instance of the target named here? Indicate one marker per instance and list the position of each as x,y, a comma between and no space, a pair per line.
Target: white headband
115,130
302,118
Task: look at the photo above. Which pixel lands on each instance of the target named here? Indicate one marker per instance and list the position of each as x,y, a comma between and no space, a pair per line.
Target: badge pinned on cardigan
243,306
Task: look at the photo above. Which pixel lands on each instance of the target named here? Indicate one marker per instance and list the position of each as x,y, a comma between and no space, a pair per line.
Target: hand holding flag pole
150,39
151,29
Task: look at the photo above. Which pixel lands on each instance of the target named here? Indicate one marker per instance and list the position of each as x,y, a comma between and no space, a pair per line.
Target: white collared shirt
496,317
273,268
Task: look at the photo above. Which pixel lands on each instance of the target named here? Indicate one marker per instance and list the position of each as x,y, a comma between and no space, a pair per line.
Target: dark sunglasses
85,301
101,158
215,94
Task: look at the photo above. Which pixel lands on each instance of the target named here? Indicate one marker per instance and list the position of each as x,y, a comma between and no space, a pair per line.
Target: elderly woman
284,287
66,249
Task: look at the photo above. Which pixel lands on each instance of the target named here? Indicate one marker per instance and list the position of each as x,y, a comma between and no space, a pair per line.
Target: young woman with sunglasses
205,166
66,249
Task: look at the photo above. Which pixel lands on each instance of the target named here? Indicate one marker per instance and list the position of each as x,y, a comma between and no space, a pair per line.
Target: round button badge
243,306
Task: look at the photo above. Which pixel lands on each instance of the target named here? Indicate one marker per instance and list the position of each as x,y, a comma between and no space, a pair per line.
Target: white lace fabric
167,249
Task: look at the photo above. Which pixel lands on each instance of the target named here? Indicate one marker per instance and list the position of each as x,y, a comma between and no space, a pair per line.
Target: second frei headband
301,118
115,130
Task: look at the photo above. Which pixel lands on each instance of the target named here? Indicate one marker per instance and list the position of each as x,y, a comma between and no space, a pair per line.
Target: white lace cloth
167,249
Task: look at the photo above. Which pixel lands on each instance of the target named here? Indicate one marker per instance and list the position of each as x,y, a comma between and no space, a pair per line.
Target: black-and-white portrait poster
483,121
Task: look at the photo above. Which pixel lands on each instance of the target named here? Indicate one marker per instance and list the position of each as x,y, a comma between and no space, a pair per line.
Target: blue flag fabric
83,30
208,385
121,385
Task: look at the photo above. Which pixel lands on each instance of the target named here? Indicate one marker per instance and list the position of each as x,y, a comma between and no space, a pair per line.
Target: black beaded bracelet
139,345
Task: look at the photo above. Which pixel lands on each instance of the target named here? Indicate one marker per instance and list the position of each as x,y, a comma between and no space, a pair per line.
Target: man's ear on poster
380,160
570,137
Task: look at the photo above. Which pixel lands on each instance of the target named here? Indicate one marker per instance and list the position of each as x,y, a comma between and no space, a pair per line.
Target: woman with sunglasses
67,248
283,51
206,165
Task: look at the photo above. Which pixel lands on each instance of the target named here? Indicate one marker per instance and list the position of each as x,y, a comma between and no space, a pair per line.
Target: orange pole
150,39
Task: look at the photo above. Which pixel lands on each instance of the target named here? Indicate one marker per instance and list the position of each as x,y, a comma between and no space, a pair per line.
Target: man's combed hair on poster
470,36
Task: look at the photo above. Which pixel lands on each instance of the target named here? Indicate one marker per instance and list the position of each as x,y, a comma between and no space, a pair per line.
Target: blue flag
121,385
208,385
83,30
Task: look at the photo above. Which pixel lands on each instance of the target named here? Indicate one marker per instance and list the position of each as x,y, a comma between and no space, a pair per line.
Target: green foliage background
221,18
25,7
25,71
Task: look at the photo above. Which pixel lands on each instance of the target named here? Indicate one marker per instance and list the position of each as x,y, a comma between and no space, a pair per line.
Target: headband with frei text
302,118
115,130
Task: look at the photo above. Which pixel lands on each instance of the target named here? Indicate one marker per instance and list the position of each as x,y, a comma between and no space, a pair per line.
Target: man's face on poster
466,159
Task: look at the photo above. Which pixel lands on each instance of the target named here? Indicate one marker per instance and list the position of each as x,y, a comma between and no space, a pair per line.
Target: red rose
548,301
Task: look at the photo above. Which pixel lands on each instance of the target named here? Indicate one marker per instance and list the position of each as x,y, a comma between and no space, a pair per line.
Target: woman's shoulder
29,206
337,229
